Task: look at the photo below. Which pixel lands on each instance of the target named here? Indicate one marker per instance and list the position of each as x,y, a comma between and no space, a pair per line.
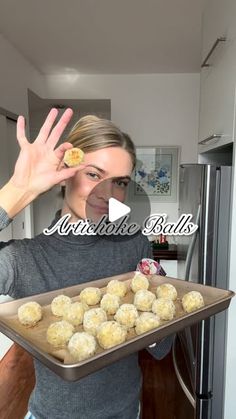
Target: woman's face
107,174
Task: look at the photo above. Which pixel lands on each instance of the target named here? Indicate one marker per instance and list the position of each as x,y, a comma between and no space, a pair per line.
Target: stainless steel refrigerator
204,192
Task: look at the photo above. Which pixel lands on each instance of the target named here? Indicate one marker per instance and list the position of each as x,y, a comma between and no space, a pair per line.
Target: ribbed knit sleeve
4,219
7,259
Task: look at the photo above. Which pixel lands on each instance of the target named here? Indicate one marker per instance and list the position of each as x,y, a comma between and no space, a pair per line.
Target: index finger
20,131
59,128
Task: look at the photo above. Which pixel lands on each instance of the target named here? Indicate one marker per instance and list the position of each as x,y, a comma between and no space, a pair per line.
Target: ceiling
105,36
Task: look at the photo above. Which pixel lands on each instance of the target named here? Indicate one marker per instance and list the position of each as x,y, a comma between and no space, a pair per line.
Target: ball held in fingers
73,157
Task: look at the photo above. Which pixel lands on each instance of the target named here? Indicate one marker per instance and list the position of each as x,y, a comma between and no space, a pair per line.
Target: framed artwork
156,173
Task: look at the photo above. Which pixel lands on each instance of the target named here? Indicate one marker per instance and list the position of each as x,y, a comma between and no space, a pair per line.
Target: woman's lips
99,208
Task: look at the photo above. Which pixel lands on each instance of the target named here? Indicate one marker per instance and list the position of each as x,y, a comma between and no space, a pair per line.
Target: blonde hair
91,133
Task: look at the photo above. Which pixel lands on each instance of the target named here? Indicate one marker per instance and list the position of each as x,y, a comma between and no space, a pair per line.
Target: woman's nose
105,189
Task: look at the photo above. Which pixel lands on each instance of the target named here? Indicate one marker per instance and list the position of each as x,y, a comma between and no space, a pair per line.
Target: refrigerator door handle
191,246
189,344
187,331
179,377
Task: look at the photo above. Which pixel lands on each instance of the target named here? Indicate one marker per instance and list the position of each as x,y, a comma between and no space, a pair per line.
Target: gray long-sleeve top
46,263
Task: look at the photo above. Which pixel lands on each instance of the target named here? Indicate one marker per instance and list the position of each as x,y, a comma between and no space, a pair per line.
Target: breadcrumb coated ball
139,282
59,304
146,322
30,313
92,319
143,300
167,291
191,301
74,313
164,308
59,333
73,157
91,296
82,345
110,334
110,303
126,315
116,287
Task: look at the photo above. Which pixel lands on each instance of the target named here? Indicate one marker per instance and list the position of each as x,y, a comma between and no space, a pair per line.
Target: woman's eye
122,183
93,175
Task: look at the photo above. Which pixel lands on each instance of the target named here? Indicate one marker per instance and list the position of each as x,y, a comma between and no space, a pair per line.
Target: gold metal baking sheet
58,360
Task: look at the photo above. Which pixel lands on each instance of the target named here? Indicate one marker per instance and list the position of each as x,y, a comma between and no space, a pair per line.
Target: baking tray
216,300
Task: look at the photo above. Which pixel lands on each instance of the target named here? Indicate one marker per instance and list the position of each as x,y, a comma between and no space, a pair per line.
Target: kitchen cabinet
218,77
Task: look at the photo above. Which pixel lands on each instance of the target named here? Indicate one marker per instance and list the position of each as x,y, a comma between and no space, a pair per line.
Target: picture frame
156,173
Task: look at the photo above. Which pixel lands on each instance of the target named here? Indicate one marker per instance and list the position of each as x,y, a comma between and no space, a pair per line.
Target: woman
45,263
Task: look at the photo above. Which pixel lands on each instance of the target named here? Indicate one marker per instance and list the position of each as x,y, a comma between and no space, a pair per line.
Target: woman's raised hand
38,165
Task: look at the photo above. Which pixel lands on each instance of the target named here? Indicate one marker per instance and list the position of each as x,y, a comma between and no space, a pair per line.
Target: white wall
16,76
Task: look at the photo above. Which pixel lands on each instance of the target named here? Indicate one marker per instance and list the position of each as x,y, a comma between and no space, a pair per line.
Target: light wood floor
162,397
16,383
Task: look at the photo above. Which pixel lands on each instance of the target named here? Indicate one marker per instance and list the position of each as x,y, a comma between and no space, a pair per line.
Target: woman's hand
38,165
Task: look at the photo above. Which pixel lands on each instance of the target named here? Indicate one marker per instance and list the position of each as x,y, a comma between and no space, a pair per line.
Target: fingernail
152,346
